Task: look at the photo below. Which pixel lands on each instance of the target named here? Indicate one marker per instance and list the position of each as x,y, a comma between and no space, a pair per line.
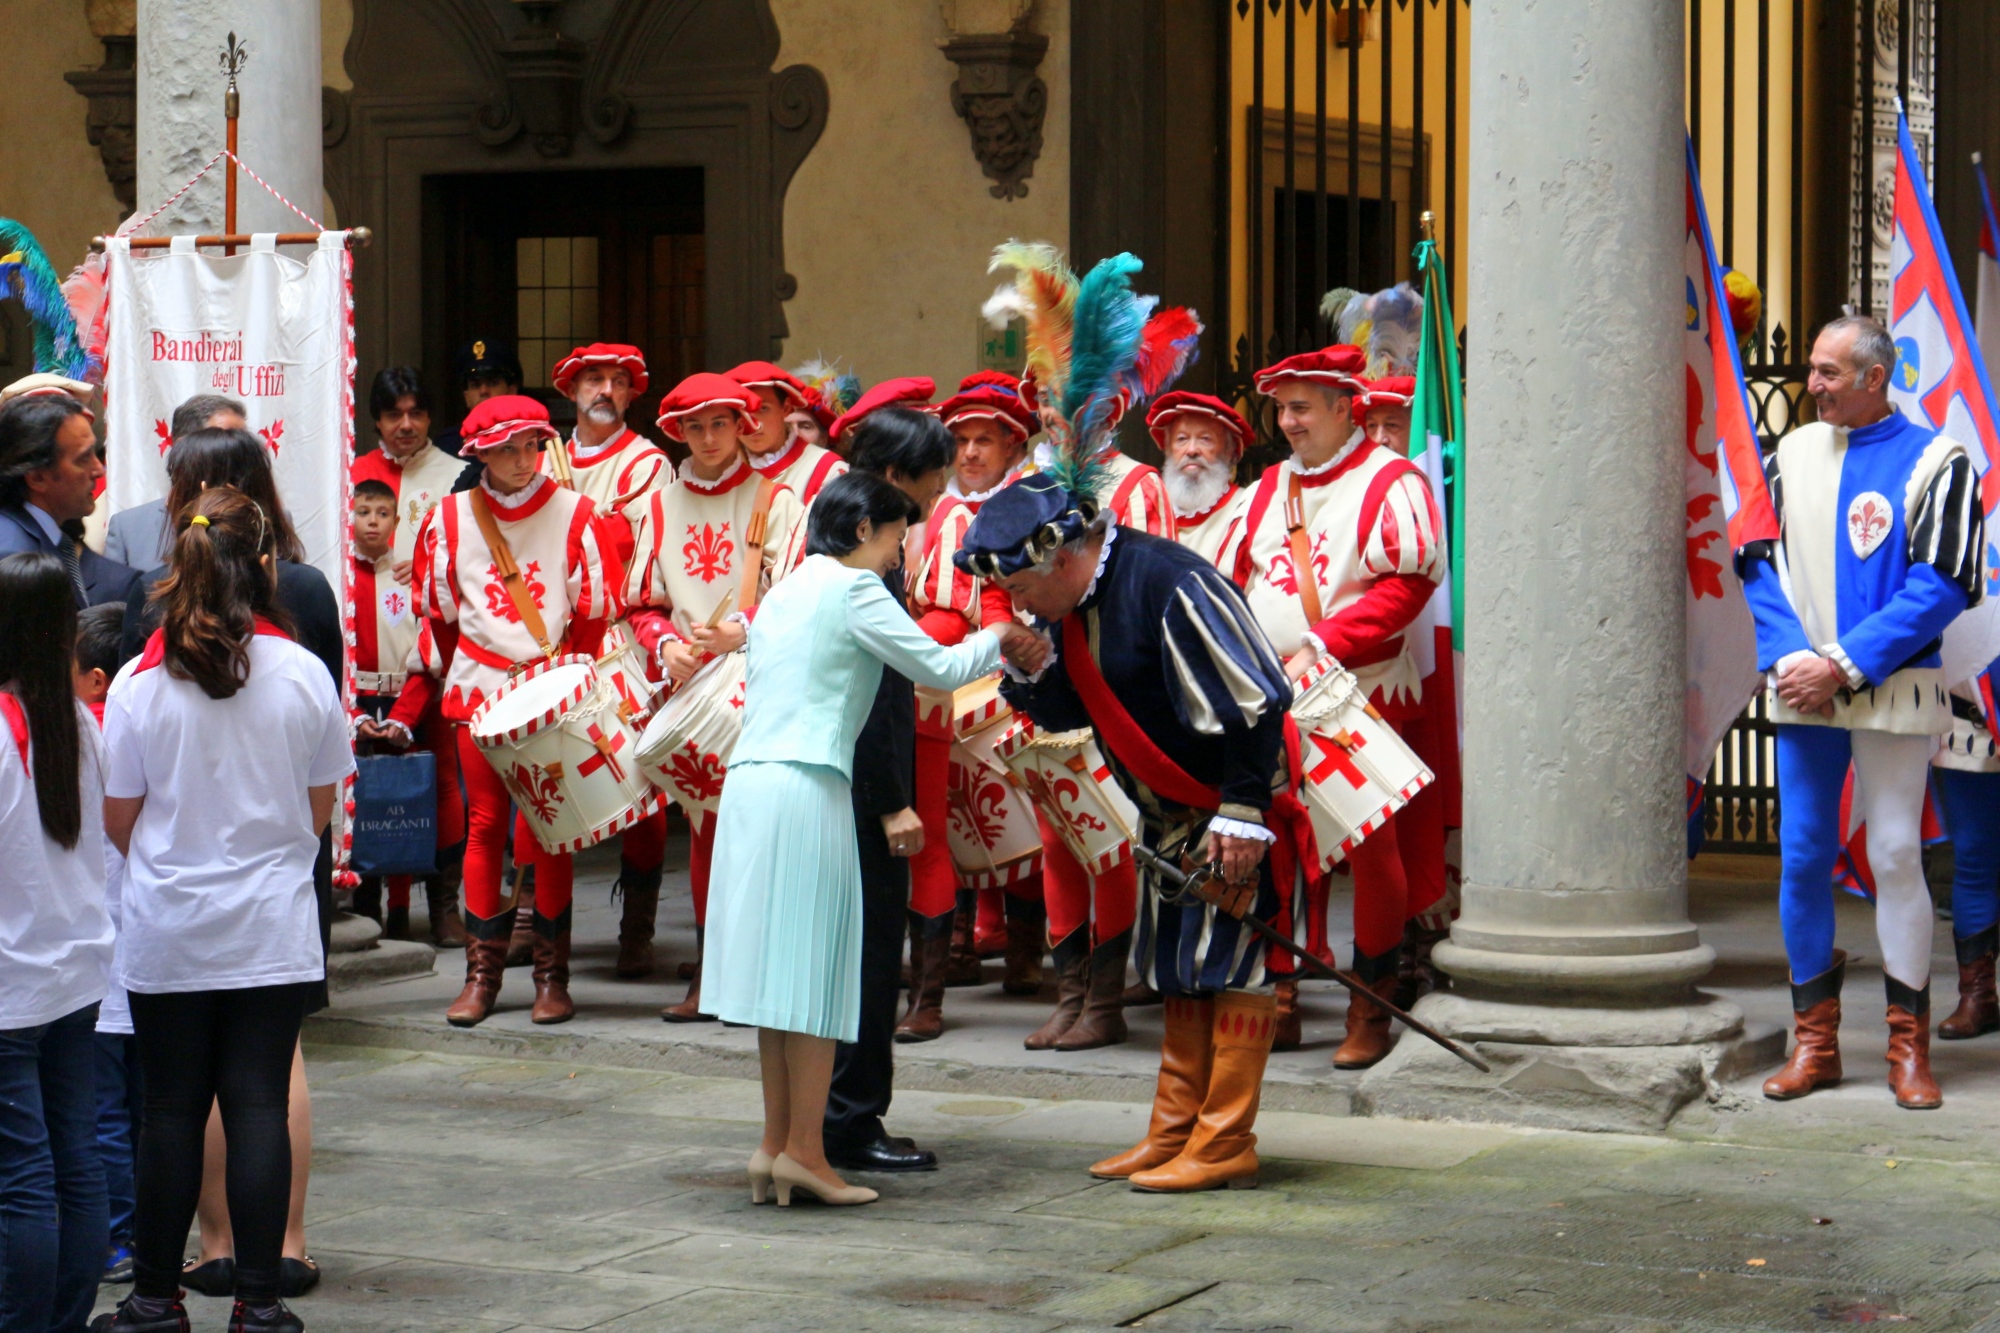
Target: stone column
1573,961
180,110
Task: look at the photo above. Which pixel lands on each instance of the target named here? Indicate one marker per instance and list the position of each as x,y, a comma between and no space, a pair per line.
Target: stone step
388,960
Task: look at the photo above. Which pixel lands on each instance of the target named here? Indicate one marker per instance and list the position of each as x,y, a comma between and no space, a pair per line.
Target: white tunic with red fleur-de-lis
385,625
557,546
1369,517
691,550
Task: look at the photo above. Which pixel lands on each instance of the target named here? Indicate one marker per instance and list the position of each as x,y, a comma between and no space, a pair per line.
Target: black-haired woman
784,927
55,948
225,743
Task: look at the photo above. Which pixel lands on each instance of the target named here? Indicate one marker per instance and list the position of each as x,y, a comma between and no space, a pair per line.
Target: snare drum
1358,771
1069,782
685,749
558,738
621,663
991,827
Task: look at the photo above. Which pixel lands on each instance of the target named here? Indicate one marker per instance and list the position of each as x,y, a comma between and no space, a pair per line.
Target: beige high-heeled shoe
760,1176
789,1176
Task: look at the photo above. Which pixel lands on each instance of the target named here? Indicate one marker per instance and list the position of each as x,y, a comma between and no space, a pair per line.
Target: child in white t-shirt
225,745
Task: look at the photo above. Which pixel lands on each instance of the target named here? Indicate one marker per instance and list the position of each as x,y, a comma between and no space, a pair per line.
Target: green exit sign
1003,349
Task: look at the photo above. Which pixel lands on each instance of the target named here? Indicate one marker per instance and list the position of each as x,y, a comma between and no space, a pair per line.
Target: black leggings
199,1048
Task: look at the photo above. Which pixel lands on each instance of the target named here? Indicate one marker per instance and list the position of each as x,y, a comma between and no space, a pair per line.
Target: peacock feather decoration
838,389
60,347
1386,325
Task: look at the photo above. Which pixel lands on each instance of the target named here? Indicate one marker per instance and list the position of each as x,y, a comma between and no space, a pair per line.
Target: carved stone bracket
1002,100
112,91
544,72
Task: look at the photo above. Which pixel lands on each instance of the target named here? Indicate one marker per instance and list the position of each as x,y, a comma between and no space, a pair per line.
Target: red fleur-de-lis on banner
166,435
272,433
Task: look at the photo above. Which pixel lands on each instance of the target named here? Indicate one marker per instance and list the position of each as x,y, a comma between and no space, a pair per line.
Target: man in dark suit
49,469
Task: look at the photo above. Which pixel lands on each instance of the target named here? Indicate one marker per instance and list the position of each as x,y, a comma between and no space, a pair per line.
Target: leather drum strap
753,543
510,573
1301,548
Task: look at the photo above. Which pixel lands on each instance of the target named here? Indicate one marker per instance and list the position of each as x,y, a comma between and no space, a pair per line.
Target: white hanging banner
272,332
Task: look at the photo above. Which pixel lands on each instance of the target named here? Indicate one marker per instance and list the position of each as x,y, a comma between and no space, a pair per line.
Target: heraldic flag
1721,449
1987,286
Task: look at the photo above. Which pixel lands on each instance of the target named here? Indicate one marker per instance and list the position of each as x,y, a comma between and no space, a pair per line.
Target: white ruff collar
700,487
1103,558
1354,442
518,498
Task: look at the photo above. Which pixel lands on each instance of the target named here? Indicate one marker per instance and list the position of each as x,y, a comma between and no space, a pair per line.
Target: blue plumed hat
1022,526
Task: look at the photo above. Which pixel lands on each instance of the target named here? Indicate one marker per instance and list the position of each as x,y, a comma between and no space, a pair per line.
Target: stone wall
51,179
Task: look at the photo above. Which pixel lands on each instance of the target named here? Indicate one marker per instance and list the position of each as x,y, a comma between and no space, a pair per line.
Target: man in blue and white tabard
1159,653
1881,537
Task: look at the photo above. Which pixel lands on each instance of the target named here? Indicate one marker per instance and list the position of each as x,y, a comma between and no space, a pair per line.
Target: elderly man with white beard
1202,439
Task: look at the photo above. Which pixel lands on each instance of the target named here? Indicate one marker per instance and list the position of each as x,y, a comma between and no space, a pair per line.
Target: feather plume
1110,320
838,389
1395,331
87,290
1333,304
1048,293
1004,307
1167,347
25,272
1354,324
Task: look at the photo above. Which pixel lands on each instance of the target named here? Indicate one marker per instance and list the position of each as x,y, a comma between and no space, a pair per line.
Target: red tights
933,877
1381,892
486,841
701,854
644,845
1071,893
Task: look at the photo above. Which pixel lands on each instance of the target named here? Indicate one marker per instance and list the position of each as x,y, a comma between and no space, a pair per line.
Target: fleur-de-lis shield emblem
1869,521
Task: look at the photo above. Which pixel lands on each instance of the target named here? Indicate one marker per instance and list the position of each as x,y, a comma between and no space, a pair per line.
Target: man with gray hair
138,536
1880,549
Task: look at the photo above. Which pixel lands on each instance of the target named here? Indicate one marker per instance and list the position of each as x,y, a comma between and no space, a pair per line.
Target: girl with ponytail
225,742
55,947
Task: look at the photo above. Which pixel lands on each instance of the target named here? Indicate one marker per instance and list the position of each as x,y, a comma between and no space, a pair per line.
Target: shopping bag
395,815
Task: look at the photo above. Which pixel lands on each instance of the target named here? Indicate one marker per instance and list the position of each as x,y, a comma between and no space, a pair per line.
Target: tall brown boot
964,969
1102,1022
1185,1055
641,890
1416,975
1071,956
1815,1061
689,1009
552,1002
1368,1037
1222,1150
521,947
1290,1034
1978,1009
930,957
485,963
1027,941
441,899
1910,1047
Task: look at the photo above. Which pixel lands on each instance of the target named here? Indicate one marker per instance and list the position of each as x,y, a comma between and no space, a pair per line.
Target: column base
1604,1067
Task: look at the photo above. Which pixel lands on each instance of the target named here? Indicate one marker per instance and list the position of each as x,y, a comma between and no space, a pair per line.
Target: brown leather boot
641,890
930,956
1027,941
1102,1021
1368,1038
1290,1034
1185,1055
964,969
1071,956
552,1002
1139,995
1416,975
485,963
521,946
1815,1061
441,899
1978,1009
689,1009
1222,1150
1910,1047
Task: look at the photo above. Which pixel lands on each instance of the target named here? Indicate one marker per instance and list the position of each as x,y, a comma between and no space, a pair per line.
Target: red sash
1116,728
17,723
156,645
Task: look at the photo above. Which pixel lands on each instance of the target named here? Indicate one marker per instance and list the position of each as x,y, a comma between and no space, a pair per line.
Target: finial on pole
1428,221
234,56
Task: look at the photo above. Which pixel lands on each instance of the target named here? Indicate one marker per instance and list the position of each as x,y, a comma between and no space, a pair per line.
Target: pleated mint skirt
784,903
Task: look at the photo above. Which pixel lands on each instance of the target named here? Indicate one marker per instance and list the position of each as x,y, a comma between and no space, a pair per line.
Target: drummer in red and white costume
618,468
990,426
1363,517
697,538
776,449
567,573
1201,440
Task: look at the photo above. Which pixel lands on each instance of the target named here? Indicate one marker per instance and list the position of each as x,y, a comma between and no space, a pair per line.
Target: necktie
74,565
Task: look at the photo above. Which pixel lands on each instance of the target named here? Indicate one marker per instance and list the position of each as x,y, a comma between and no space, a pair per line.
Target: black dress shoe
135,1314
217,1277
884,1154
296,1277
273,1318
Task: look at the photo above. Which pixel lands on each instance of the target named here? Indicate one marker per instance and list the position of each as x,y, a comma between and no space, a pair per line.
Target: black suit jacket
103,580
302,592
885,755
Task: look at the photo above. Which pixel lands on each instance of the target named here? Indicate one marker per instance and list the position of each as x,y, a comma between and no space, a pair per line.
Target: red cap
765,375
706,389
1338,366
498,420
998,379
907,391
991,402
600,354
1389,391
1170,405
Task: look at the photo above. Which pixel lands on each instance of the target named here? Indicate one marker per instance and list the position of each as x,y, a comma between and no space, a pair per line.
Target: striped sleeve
1949,533
940,583
1227,676
1406,535
593,569
643,585
431,566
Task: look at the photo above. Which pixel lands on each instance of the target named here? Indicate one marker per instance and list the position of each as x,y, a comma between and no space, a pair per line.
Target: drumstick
721,612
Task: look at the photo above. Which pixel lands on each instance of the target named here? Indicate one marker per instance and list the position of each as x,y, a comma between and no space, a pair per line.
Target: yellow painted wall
51,179
888,224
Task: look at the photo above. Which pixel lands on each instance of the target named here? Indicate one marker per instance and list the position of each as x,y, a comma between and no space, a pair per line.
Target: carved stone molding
544,73
112,91
1002,100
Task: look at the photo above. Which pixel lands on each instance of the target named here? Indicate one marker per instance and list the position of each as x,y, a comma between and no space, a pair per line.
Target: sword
1187,888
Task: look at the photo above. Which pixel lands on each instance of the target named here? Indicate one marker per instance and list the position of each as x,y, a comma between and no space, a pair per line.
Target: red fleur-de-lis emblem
1284,577
977,807
536,788
1869,520
394,604
166,435
273,433
696,774
499,604
708,552
1067,794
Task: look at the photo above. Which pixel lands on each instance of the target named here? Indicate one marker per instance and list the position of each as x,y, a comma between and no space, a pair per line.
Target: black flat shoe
296,1277
884,1154
217,1277
126,1319
275,1319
